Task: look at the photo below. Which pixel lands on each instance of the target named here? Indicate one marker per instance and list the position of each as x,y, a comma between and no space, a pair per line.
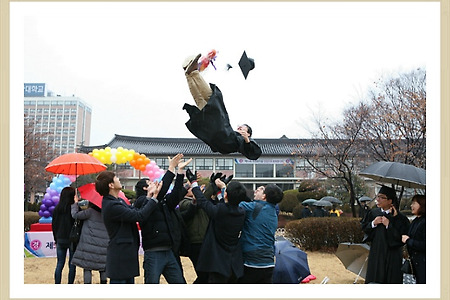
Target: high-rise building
66,121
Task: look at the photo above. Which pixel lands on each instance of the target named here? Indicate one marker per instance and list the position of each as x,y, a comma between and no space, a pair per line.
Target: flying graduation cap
246,64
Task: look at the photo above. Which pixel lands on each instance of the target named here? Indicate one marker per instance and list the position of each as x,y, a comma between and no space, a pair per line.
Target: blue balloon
44,220
59,182
66,180
59,189
53,186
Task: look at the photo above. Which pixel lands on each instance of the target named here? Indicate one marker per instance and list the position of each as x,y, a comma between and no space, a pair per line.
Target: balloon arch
107,156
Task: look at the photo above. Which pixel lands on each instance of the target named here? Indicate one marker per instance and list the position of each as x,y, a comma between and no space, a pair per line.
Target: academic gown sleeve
212,126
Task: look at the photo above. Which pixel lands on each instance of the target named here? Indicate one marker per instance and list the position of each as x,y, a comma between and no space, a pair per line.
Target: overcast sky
124,60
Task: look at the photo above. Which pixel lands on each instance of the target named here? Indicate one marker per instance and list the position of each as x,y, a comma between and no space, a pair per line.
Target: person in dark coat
306,211
364,208
122,263
62,223
196,221
209,120
416,238
384,227
320,212
161,234
221,253
91,249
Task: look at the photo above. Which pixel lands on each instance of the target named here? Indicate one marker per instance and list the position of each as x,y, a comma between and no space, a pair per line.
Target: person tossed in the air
209,119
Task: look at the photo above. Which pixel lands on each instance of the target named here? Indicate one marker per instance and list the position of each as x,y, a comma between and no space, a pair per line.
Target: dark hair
66,199
139,187
421,199
273,193
236,193
103,181
249,129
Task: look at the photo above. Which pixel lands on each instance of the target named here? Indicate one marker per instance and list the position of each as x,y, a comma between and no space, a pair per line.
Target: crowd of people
228,237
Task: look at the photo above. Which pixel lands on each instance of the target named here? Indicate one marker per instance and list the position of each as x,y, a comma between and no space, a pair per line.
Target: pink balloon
72,177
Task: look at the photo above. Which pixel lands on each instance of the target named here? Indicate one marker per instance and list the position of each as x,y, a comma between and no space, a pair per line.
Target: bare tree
336,151
390,126
396,127
37,154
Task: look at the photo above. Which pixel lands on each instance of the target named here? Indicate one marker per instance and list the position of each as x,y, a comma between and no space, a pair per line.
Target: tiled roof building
277,164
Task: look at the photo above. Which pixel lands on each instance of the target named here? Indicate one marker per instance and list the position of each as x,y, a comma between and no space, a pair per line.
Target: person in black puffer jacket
160,239
62,222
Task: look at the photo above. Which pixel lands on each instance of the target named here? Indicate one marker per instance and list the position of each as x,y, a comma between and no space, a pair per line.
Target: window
264,170
243,170
224,164
203,163
163,163
285,170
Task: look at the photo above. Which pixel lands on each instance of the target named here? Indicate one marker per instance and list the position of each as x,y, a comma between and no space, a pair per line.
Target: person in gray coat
91,250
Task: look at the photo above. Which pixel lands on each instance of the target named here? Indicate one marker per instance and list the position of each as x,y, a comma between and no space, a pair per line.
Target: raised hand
173,162
153,189
191,176
226,179
213,177
183,164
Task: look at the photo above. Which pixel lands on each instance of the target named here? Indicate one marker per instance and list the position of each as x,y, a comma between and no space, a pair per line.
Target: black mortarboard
389,192
246,64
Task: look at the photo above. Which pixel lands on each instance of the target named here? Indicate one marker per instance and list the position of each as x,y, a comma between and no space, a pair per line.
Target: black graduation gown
212,126
385,256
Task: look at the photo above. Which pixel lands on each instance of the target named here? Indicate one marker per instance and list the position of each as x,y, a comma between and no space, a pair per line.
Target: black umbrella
365,198
396,173
331,199
309,201
323,203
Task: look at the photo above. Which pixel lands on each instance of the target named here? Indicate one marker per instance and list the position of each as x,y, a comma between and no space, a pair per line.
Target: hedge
324,234
30,217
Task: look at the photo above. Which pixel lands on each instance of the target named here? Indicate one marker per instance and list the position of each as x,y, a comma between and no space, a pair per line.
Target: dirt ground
321,265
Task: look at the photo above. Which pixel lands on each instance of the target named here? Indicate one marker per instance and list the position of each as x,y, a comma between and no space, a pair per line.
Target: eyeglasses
381,197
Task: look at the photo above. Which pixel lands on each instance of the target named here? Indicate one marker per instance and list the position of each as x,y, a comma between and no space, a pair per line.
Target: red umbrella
75,164
88,192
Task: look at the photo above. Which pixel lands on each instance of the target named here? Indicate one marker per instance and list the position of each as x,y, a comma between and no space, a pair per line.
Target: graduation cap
246,64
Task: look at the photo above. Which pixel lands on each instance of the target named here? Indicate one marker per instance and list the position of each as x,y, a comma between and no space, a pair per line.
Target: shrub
297,211
324,234
289,201
36,206
30,217
131,195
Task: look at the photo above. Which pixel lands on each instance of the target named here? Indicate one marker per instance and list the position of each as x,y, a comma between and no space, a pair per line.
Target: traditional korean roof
191,146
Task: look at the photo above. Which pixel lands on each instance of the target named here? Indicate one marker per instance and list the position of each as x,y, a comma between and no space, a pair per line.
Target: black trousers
257,275
202,277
